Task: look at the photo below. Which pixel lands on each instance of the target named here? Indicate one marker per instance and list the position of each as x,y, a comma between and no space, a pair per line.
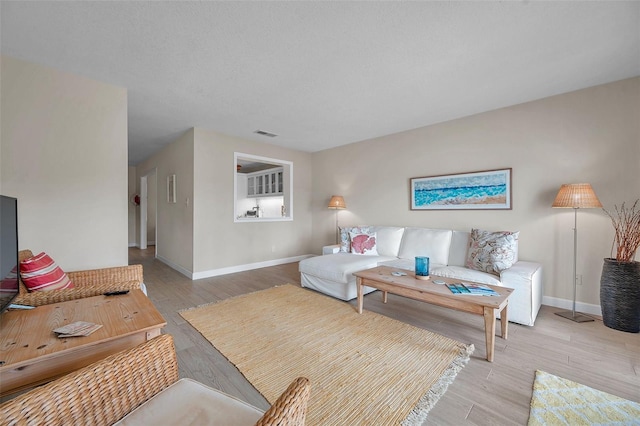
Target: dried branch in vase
626,224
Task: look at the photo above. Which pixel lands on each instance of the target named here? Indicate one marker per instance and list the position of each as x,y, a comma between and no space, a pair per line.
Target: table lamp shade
577,196
337,202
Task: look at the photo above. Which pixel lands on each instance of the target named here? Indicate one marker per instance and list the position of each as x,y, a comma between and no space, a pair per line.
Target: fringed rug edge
419,413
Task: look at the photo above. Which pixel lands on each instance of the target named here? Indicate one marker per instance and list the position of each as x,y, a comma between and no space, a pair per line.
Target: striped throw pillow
41,273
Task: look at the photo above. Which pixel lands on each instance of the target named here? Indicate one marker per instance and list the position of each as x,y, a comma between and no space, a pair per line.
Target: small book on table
77,329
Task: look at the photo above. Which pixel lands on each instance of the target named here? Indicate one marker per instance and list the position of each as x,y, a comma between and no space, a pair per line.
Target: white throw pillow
363,243
389,239
433,243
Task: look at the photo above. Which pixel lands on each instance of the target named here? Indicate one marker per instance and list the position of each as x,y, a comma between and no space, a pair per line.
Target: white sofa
397,247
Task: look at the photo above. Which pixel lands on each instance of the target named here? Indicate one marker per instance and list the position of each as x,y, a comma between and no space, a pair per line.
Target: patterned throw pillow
41,273
492,252
345,238
363,243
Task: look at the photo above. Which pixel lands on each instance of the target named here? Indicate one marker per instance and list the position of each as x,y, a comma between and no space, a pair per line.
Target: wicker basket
620,295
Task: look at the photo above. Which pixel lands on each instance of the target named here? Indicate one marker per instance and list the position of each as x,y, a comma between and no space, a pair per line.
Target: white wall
221,243
242,202
174,225
591,135
64,156
197,235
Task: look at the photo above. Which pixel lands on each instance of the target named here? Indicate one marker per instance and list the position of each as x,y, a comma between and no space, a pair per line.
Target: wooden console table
32,354
436,294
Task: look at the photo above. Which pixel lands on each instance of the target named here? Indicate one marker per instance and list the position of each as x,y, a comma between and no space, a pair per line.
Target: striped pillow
41,273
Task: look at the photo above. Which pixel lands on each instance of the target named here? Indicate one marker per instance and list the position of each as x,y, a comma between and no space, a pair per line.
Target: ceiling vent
263,133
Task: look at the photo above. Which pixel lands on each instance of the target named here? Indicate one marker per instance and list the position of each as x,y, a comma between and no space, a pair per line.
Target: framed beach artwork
484,190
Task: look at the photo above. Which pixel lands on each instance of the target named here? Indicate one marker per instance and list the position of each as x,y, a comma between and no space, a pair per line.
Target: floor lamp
337,203
576,196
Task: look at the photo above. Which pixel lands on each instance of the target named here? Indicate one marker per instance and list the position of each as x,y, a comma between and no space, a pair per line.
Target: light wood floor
483,393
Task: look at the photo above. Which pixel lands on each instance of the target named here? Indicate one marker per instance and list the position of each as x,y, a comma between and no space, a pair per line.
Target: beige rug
558,401
364,369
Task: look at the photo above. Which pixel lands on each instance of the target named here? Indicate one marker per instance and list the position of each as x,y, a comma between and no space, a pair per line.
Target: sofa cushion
389,239
465,274
363,243
459,247
187,402
433,243
492,252
41,273
339,267
407,264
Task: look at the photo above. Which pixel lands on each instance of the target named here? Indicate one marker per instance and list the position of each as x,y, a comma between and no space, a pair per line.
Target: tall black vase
620,295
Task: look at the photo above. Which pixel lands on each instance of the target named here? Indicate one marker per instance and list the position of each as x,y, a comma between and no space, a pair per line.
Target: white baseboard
230,269
246,267
172,265
585,308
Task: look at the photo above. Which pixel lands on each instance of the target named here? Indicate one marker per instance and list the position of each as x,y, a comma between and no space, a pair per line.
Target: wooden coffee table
438,294
32,354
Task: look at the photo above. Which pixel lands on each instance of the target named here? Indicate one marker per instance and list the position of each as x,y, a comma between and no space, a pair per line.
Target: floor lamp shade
337,203
576,196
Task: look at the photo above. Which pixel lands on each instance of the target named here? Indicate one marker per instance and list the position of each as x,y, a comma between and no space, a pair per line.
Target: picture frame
171,189
482,190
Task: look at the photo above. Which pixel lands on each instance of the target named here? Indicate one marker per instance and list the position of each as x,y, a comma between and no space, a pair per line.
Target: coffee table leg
504,321
384,297
359,286
490,331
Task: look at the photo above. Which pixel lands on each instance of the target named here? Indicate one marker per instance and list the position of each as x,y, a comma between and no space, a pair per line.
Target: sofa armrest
332,249
39,298
521,270
525,278
100,393
86,284
101,276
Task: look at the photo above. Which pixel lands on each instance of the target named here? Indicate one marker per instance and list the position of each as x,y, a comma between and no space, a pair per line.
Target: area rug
558,401
364,369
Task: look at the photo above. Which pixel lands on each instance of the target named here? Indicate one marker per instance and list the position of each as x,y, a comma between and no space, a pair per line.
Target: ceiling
323,74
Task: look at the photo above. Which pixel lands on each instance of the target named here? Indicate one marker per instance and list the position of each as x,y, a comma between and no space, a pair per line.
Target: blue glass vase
422,267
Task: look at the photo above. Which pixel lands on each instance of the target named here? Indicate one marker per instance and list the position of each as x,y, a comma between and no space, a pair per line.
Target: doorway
148,211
